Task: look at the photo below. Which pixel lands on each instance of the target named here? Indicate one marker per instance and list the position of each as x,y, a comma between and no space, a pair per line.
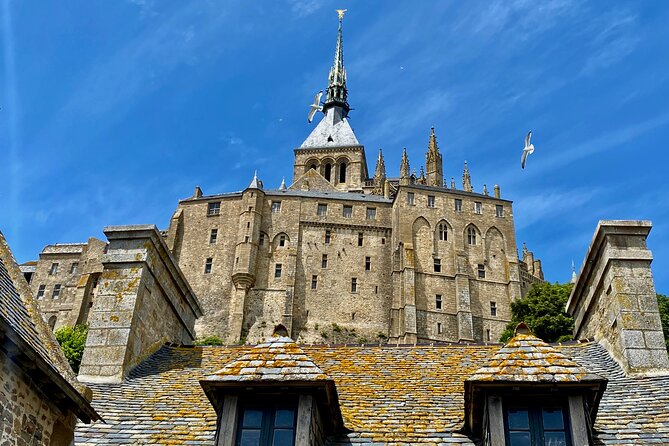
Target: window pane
553,419
284,418
555,439
252,418
250,438
520,439
283,437
518,419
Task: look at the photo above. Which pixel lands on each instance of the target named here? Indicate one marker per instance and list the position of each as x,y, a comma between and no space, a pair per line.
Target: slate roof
333,131
388,394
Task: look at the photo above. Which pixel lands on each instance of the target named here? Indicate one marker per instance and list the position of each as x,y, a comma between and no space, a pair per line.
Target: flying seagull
529,149
316,106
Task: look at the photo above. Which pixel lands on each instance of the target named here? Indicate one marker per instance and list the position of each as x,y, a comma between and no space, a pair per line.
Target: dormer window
267,424
536,422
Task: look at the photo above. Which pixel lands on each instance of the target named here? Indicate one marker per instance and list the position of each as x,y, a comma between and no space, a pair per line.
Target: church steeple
379,174
404,169
336,91
433,163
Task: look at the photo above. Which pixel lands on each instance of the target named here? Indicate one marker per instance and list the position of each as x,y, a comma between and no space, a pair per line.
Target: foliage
542,309
209,340
72,341
663,304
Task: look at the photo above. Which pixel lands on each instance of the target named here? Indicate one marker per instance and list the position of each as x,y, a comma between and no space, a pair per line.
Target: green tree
663,303
72,341
542,309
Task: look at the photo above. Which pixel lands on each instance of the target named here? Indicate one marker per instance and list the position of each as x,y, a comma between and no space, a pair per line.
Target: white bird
316,106
528,150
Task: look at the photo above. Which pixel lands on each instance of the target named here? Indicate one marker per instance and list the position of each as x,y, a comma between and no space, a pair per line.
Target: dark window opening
342,173
328,171
277,270
314,282
282,240
493,308
208,264
354,285
360,238
536,423
213,236
481,270
324,261
328,236
437,265
437,302
368,263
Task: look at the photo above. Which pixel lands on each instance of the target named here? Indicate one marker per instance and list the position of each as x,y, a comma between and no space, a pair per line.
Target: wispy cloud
303,8
550,205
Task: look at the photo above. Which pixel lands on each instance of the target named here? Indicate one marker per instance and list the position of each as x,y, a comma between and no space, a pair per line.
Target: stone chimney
142,301
614,299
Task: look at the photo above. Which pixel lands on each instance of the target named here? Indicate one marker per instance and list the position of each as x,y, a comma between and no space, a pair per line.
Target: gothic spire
336,91
404,169
573,272
433,163
379,174
466,179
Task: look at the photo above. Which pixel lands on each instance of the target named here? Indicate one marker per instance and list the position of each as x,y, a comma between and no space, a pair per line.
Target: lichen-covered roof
280,359
526,358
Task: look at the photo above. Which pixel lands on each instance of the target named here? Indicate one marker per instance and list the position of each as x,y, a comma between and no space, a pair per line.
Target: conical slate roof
280,359
526,358
333,131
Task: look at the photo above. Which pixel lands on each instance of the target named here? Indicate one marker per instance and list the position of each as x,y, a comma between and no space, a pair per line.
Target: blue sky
112,111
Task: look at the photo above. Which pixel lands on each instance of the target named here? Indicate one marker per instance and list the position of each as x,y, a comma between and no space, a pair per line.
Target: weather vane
341,13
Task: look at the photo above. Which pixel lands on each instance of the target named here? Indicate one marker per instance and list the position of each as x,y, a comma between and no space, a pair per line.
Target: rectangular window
410,198
322,210
437,302
277,270
246,239
56,291
54,269
430,201
368,263
354,285
481,270
314,282
438,327
282,240
276,206
478,207
371,213
328,236
261,240
360,238
443,231
493,308
267,424
347,211
458,205
536,423
324,261
214,208
213,235
437,265
207,265
74,268
499,210
40,292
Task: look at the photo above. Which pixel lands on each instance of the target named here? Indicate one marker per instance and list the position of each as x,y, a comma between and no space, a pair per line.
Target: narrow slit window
213,236
208,264
354,285
56,291
314,282
437,302
493,308
324,261
437,265
368,263
328,236
360,238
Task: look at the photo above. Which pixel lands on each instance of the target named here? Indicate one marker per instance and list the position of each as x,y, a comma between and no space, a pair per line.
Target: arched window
471,235
313,166
443,231
328,171
342,173
52,322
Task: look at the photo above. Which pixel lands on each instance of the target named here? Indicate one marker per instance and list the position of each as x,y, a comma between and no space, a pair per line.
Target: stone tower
433,162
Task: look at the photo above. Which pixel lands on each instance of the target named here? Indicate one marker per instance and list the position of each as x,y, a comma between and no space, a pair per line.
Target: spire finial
379,174
283,184
255,182
466,179
404,169
573,272
336,91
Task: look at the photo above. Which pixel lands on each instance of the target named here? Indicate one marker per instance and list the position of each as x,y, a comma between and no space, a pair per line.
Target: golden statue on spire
341,13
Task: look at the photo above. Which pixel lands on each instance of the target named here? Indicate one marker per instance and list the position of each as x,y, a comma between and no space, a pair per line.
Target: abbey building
342,254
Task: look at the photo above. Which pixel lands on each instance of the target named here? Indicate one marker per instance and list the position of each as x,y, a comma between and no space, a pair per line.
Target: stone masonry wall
26,415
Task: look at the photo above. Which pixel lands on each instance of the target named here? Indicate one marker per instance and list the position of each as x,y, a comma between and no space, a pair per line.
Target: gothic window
354,285
328,172
324,261
213,236
478,207
40,292
430,201
276,206
437,265
54,269
437,302
56,291
267,424
481,270
347,211
342,173
471,236
535,423
74,267
208,264
214,208
322,210
493,308
371,213
313,167
282,240
499,210
277,270
443,232
458,205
